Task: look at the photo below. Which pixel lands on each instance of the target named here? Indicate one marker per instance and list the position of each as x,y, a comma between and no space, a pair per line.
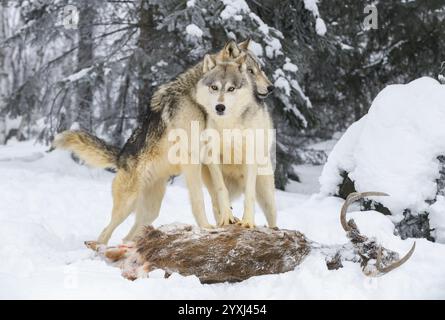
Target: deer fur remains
233,253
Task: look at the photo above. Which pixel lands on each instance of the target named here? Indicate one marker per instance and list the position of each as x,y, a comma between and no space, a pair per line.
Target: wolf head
232,50
225,88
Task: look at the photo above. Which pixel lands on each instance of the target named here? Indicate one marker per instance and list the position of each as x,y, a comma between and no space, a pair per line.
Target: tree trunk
146,26
85,56
3,78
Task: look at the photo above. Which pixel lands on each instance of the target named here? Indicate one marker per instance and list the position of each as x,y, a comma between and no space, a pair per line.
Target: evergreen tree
100,75
357,62
121,51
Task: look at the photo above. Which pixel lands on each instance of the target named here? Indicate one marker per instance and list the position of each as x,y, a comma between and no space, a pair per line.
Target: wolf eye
250,70
214,87
231,89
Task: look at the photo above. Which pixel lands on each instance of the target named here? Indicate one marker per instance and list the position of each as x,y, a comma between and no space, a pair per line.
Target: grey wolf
229,99
142,165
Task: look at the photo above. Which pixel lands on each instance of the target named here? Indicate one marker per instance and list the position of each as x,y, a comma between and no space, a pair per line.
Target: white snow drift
394,149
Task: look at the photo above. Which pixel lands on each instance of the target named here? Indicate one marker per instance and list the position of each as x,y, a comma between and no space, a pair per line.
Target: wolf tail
94,151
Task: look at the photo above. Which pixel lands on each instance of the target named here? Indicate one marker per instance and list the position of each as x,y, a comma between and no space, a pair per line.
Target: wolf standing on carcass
142,164
233,111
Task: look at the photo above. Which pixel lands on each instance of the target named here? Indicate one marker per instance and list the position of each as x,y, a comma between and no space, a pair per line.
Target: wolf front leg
207,179
265,195
192,173
248,220
226,216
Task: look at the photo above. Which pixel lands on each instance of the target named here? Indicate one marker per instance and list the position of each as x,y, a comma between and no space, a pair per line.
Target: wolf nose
270,88
220,108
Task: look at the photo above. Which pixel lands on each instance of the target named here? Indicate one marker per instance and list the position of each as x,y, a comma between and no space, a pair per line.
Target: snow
394,149
311,5
50,205
273,44
308,175
345,46
327,145
273,48
320,26
78,75
194,30
256,48
234,9
11,123
289,66
282,83
162,63
437,219
340,159
298,88
264,28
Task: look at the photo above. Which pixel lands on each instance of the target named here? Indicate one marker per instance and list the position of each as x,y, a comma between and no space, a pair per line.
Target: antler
354,234
396,264
349,200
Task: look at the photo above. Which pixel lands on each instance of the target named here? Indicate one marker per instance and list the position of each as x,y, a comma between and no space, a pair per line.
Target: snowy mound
396,148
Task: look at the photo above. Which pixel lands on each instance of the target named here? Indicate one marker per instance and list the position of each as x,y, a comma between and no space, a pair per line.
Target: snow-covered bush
397,148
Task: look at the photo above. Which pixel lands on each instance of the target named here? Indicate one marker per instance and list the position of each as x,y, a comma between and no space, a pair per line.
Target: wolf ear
209,63
244,45
230,50
241,61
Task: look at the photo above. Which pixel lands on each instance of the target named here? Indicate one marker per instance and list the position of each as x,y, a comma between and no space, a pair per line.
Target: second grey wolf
143,168
231,106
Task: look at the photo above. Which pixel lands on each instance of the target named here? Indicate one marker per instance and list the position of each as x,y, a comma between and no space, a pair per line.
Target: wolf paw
246,224
208,226
228,220
127,245
233,220
93,245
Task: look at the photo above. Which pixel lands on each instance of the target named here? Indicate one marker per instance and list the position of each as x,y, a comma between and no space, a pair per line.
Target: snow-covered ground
49,205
